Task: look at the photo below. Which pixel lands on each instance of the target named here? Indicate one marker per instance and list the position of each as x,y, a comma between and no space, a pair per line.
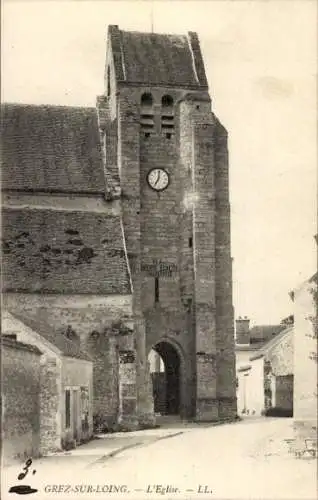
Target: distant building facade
264,369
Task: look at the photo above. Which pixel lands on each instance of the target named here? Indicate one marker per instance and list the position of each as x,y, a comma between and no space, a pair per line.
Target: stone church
116,230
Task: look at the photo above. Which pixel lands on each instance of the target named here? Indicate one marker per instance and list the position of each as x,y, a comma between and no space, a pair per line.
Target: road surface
242,460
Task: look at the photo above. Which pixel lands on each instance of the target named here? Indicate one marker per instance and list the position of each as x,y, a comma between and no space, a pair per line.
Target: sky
260,59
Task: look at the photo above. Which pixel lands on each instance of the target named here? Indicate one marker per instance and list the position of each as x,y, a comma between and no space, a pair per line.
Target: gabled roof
248,347
50,149
268,346
157,59
263,333
66,346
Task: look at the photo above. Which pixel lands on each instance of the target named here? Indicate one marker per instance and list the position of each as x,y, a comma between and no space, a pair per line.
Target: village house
264,367
305,359
63,394
250,340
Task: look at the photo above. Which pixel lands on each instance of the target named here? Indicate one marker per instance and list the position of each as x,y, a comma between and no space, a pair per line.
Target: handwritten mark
24,489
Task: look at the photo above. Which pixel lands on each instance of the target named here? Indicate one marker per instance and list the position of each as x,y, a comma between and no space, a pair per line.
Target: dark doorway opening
166,380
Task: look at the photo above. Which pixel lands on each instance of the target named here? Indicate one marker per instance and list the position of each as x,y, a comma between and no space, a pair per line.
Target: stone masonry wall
63,251
129,171
89,316
164,227
105,376
196,149
50,405
224,303
20,402
281,356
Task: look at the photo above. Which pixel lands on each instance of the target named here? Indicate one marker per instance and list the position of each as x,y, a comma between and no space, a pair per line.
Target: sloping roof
268,346
248,347
263,333
244,368
9,341
50,148
157,59
66,346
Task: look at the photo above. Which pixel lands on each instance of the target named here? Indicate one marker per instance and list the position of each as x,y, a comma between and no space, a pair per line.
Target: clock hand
158,178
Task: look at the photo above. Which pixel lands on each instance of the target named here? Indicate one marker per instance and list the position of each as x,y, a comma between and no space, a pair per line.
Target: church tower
166,161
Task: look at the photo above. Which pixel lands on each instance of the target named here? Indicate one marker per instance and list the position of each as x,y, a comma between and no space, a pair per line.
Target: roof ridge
46,105
153,33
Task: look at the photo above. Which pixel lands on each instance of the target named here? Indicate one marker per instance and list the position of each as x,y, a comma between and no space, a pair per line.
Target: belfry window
146,113
108,81
167,101
167,115
67,408
156,289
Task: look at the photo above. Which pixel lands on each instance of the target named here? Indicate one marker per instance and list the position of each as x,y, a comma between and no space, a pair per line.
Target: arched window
108,81
146,100
146,114
167,116
167,101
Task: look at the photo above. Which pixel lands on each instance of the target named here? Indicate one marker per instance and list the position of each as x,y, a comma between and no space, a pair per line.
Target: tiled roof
263,333
50,148
66,347
265,348
157,59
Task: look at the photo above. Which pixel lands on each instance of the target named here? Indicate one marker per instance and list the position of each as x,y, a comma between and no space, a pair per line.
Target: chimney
243,330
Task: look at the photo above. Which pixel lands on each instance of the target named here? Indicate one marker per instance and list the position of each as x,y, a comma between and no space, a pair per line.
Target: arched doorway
165,372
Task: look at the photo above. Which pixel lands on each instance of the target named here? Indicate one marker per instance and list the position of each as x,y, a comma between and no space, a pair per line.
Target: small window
67,408
147,134
108,81
167,116
167,101
146,100
156,289
146,113
190,242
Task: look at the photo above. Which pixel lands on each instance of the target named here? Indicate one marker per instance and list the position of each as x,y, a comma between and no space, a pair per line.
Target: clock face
158,179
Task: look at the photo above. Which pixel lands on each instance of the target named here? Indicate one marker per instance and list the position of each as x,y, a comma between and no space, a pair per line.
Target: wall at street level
20,400
305,359
91,319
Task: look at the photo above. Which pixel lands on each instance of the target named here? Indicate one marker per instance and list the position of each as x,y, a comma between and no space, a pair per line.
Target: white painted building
305,358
